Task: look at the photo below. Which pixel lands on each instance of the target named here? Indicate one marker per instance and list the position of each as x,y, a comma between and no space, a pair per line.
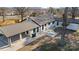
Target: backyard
8,22
40,41
48,43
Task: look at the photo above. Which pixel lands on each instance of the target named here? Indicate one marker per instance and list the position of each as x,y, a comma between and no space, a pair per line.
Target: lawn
8,22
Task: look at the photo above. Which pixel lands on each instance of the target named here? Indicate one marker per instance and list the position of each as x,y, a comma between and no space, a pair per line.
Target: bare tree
65,20
74,9
21,11
2,12
64,27
52,10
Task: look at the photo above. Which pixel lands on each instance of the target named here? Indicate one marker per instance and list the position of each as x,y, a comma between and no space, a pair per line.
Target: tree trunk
73,16
3,18
64,21
64,27
73,12
21,17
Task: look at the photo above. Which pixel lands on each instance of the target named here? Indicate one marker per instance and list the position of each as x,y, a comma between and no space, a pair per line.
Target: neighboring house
19,31
73,27
68,20
73,23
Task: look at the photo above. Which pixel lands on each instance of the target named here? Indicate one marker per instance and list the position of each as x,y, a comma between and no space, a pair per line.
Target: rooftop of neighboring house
73,26
43,19
69,20
14,29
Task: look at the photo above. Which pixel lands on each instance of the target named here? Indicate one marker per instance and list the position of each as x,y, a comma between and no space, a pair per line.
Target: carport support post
9,42
20,36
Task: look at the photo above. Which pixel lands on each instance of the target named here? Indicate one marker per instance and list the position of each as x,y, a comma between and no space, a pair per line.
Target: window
37,29
27,32
49,23
34,30
15,38
45,24
42,27
57,23
53,22
33,35
23,35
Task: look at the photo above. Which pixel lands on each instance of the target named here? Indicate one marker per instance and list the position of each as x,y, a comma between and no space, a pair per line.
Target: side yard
38,42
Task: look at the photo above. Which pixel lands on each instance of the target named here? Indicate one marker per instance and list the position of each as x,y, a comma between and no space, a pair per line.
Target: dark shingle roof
69,20
43,19
17,28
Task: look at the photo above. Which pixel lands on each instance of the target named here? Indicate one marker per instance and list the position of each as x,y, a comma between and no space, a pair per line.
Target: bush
65,24
69,47
49,47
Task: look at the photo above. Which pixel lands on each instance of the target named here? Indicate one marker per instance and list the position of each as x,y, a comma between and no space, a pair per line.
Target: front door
34,35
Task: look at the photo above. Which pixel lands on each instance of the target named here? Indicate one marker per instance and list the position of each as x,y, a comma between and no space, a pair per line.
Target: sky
38,3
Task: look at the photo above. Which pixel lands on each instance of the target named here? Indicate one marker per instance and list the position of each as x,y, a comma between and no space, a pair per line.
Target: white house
17,31
30,27
44,21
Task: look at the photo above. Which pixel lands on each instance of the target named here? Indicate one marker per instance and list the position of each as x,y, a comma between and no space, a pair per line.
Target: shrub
49,47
